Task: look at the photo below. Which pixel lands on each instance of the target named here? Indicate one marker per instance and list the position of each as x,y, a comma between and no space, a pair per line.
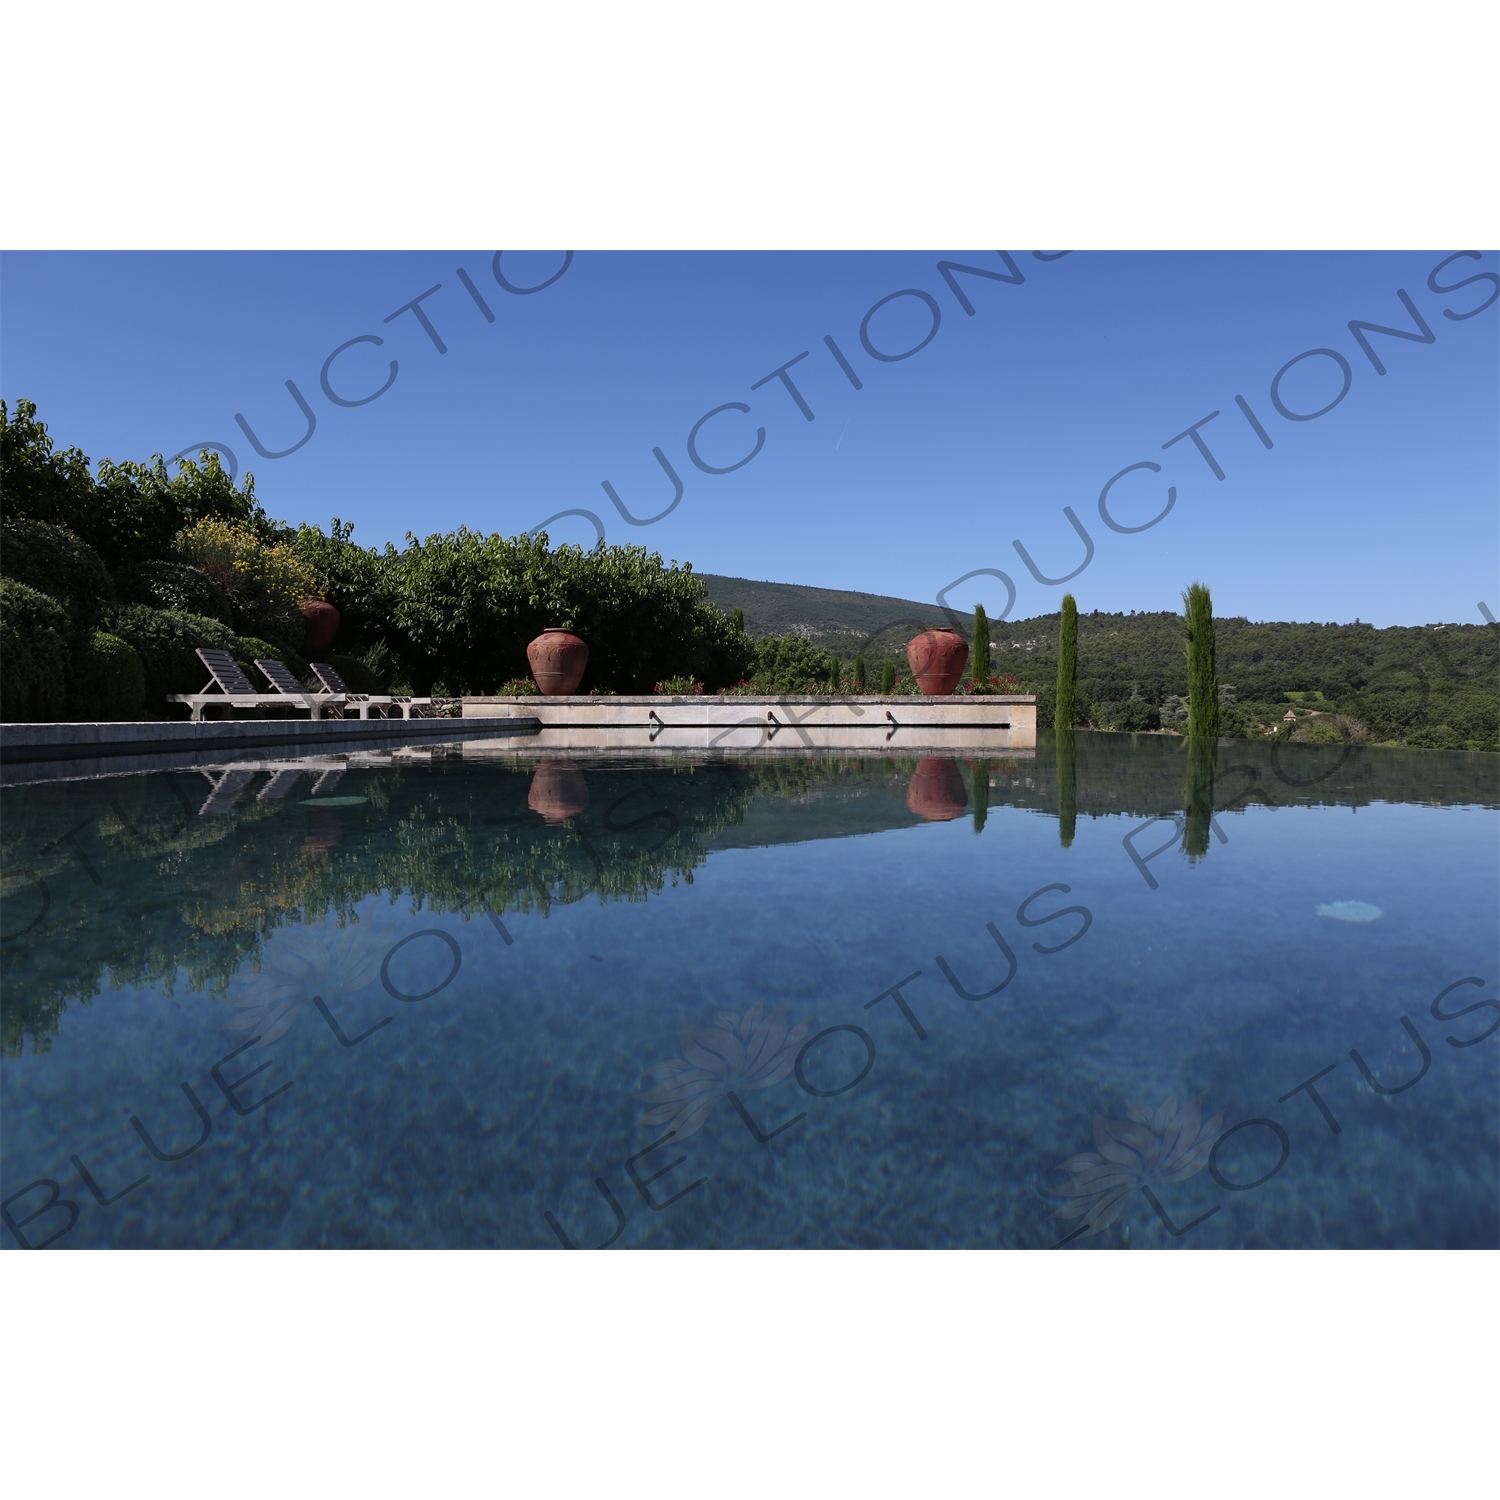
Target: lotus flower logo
752,1051
304,962
1168,1145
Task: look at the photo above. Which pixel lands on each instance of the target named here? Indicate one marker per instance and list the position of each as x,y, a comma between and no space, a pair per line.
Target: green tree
1065,710
1203,676
887,677
859,674
128,512
979,656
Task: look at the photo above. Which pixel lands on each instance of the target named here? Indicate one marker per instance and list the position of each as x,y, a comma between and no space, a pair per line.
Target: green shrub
787,664
166,641
265,583
1436,737
33,654
167,585
1321,732
107,681
887,677
51,560
859,674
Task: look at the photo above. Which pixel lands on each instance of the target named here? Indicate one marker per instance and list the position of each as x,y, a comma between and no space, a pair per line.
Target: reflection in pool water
496,1000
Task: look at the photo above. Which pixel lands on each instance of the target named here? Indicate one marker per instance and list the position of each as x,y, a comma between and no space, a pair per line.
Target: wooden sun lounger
234,689
330,679
279,675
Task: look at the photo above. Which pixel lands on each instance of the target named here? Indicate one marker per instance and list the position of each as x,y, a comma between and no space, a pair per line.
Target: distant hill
834,618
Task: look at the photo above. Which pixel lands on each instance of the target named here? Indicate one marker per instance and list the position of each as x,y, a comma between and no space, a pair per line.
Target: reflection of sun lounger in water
278,786
226,792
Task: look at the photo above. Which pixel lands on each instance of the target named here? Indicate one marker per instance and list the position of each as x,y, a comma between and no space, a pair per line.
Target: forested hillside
1426,685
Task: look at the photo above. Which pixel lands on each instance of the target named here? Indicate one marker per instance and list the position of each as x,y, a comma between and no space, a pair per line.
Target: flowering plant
991,685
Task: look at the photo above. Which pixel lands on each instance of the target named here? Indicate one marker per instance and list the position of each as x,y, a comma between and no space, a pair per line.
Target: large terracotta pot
557,660
938,658
558,791
320,623
936,791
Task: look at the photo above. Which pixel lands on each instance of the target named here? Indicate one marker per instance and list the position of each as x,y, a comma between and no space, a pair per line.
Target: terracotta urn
558,791
557,660
938,657
320,623
936,791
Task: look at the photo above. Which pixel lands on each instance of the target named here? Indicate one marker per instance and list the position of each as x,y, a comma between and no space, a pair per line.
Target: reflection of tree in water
1198,796
139,888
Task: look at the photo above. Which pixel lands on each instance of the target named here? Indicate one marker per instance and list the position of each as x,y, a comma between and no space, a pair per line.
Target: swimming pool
471,996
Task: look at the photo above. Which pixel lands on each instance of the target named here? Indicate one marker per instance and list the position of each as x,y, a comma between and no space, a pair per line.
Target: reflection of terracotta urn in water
936,791
557,660
320,623
323,831
938,658
558,791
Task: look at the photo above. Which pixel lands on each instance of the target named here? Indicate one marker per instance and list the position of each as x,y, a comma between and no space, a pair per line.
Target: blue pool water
511,1001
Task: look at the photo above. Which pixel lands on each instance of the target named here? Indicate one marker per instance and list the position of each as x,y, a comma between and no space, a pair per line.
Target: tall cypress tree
1202,672
979,657
1067,664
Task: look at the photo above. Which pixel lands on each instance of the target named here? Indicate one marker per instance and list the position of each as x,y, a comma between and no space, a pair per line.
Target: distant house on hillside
1289,717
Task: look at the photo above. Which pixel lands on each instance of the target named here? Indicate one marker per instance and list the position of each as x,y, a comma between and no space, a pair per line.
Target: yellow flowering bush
265,584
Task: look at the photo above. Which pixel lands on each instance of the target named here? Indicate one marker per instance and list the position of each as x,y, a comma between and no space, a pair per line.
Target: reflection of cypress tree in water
979,778
1198,795
1067,787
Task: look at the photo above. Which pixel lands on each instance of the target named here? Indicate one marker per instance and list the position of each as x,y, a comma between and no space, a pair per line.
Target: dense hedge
33,654
456,611
166,641
107,680
51,560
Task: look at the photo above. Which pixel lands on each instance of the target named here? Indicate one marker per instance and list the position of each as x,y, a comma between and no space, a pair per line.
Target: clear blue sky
1384,509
